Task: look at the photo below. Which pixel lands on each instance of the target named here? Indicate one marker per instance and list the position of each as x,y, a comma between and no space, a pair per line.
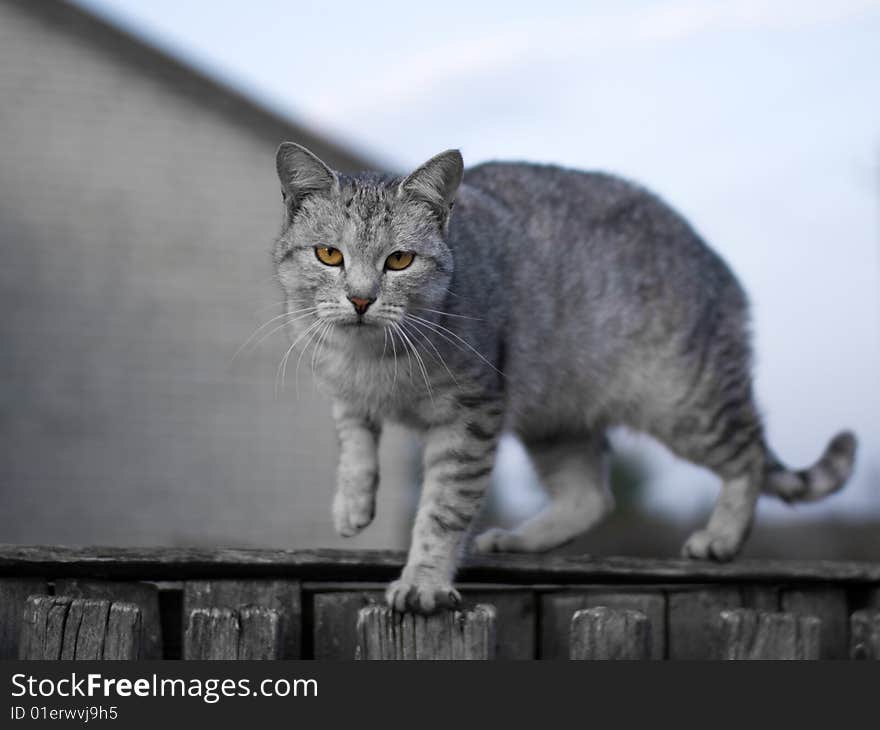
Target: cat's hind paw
496,540
708,545
352,512
421,596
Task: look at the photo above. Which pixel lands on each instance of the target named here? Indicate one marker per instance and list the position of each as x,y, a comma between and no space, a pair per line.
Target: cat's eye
399,260
329,256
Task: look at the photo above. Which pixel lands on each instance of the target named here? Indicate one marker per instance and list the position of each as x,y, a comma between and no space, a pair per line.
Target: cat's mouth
359,323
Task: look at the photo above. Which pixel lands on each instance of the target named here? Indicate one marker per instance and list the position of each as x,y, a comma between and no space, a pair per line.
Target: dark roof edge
219,97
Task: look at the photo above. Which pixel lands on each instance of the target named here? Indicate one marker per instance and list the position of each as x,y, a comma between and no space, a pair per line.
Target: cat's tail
825,477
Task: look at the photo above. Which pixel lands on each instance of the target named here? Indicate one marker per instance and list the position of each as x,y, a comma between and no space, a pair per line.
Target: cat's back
551,200
525,188
607,276
606,223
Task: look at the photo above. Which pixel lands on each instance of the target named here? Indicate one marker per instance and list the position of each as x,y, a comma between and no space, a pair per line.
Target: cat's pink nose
360,305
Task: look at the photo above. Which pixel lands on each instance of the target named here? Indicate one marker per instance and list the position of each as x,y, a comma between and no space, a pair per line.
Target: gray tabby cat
551,304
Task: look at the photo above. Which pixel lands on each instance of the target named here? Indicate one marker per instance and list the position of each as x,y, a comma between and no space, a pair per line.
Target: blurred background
138,204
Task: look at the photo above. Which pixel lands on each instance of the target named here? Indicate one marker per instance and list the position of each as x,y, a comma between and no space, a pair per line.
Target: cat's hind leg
755,471
729,522
575,474
727,438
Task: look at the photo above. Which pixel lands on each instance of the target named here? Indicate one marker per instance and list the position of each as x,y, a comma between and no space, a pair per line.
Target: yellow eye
329,256
399,260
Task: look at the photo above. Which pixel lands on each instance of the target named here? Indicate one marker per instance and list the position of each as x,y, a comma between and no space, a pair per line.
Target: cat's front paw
708,545
422,595
353,511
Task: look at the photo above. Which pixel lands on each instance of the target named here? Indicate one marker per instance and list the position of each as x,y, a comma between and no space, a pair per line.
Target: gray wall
137,209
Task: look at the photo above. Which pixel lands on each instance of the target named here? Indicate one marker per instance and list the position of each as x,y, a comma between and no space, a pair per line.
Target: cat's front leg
357,476
458,462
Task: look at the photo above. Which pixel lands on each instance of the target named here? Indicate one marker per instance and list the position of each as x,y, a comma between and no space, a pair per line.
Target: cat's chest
399,388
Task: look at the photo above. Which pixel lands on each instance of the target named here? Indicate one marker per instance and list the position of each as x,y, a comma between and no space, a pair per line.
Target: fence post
60,627
126,633
143,595
386,634
14,593
225,633
865,634
260,633
606,633
830,605
281,596
750,634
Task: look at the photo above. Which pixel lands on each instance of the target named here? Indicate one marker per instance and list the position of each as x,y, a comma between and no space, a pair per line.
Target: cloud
560,39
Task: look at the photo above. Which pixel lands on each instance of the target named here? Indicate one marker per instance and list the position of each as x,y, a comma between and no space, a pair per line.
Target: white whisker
312,338
450,314
323,342
318,344
296,314
282,366
394,349
421,363
437,356
440,329
315,342
405,349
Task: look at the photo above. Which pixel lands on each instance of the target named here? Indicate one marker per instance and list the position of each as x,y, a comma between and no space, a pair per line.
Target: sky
757,119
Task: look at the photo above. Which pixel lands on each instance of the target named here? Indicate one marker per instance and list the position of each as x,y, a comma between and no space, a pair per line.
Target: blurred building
138,204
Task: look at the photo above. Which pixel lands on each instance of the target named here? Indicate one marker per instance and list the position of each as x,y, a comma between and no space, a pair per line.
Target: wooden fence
109,603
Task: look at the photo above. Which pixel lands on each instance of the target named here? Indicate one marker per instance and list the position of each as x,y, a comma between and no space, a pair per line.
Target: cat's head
364,250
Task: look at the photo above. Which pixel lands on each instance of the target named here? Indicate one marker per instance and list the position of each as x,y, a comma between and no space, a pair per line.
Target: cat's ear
436,182
302,173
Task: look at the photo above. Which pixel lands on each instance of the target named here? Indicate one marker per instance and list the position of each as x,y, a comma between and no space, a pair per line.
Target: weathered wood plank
92,628
479,639
30,639
386,634
211,633
144,595
694,621
125,633
42,627
282,596
176,563
750,634
610,633
60,627
70,634
13,595
830,605
334,620
558,608
260,634
515,635
251,632
56,623
865,635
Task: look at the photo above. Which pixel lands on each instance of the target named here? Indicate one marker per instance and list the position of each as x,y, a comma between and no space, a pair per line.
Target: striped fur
552,305
825,477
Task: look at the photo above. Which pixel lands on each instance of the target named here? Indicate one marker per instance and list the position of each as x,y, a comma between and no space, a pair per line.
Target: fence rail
230,603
